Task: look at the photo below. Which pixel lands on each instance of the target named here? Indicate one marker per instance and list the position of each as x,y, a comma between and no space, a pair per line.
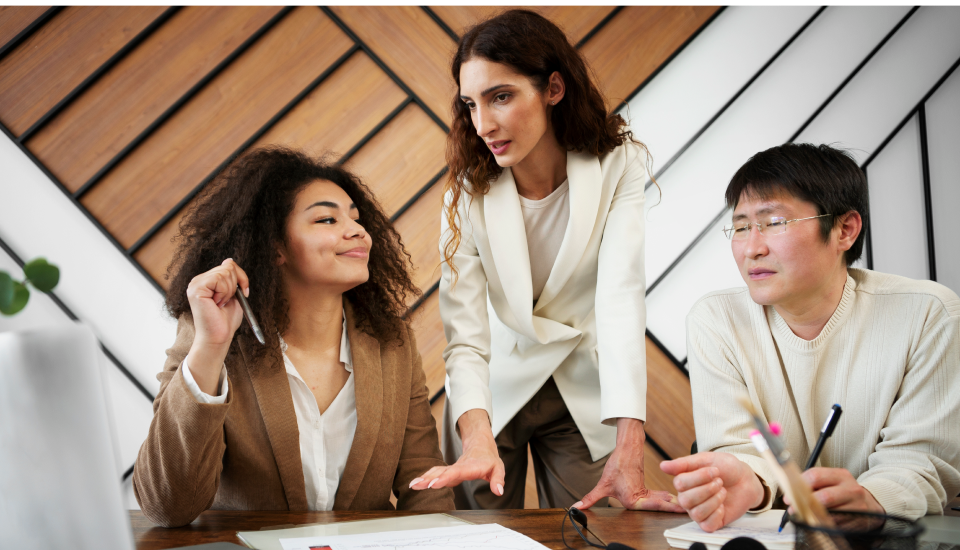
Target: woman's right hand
480,458
216,317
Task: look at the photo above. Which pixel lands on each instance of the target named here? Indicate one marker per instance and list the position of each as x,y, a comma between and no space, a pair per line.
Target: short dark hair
823,175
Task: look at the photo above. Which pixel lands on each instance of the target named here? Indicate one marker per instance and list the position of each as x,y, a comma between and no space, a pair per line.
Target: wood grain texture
59,56
576,21
180,154
419,227
344,108
638,40
157,253
669,404
14,19
638,529
653,477
414,47
126,100
428,328
401,159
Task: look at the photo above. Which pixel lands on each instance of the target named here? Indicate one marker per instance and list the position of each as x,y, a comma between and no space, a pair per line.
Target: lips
498,147
758,273
358,252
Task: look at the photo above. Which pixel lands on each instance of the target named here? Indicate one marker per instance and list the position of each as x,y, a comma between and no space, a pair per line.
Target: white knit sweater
889,355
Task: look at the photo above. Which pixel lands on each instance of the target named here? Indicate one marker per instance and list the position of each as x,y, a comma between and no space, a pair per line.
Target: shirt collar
346,357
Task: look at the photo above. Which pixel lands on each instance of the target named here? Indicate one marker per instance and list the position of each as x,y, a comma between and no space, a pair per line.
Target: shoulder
626,157
886,286
722,308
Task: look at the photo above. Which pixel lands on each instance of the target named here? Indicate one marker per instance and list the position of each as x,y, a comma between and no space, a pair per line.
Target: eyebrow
488,90
329,204
769,209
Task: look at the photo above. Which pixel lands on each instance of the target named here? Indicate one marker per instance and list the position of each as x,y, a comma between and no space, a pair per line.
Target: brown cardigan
244,454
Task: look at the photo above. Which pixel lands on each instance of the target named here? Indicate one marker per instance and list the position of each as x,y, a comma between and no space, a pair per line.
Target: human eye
776,222
741,228
501,97
470,105
327,220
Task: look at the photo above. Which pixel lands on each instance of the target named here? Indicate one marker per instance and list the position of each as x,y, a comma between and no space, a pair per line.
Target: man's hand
623,475
714,488
480,458
837,489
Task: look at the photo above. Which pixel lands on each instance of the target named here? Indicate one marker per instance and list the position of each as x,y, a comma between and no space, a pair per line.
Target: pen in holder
858,531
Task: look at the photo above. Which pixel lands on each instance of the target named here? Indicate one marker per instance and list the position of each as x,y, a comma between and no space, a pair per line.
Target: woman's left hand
622,477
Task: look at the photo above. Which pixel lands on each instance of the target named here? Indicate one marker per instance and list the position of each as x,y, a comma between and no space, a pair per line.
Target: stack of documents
762,527
269,539
467,537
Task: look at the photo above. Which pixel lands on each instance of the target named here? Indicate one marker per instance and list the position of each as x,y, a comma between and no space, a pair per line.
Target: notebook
762,527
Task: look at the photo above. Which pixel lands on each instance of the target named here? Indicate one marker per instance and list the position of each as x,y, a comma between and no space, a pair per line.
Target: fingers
600,491
687,464
696,496
714,521
703,512
242,280
689,480
421,482
497,479
659,501
819,478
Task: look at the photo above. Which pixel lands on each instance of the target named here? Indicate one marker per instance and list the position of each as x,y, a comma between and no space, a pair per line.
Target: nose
755,245
354,229
483,122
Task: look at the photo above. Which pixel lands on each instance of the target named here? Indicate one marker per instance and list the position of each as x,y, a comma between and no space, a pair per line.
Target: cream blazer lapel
508,246
583,173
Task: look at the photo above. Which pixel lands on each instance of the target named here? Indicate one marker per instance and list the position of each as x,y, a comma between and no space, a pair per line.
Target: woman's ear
556,88
281,257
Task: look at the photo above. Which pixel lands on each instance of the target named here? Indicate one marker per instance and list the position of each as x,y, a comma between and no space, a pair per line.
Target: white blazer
587,329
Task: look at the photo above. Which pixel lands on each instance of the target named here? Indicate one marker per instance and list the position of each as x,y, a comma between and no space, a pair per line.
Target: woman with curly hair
543,219
333,412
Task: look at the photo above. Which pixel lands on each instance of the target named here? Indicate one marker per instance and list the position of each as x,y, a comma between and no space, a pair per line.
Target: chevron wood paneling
166,141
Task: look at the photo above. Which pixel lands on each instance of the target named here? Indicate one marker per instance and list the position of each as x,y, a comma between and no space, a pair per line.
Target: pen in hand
825,433
248,313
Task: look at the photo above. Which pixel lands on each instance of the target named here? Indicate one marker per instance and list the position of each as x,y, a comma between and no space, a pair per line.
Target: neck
806,316
542,170
316,318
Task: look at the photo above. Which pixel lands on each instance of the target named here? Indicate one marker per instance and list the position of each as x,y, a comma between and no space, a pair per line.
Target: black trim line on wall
149,130
441,23
396,215
670,356
596,28
383,66
423,298
28,31
73,317
867,238
673,56
250,141
856,70
376,129
98,73
927,198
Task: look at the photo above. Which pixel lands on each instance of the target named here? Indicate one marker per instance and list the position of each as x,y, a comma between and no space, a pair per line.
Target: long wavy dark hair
242,215
535,47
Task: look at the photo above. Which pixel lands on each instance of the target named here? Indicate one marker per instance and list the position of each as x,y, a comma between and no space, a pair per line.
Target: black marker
826,432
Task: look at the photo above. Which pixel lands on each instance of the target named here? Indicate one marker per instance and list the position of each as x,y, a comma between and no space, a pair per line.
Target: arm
463,307
177,472
421,446
914,468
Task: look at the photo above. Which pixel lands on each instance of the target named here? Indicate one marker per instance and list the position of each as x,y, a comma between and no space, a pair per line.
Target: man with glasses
810,331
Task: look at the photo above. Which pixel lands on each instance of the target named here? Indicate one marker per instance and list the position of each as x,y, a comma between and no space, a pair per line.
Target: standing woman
543,221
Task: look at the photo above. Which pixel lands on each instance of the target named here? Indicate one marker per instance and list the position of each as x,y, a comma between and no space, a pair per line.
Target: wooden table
637,529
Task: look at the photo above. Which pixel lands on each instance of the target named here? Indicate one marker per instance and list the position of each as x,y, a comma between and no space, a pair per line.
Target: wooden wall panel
430,341
401,158
414,47
341,111
637,41
576,21
654,477
14,19
669,404
179,155
419,227
125,101
60,55
157,253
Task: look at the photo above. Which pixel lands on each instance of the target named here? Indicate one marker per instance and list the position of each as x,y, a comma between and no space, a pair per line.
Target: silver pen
248,313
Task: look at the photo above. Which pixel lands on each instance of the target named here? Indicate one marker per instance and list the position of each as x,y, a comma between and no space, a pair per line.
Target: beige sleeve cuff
770,487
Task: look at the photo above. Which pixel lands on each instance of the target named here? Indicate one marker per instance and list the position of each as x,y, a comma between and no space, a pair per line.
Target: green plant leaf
42,275
20,296
6,290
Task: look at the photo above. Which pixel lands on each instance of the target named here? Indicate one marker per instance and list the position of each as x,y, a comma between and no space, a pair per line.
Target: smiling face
508,112
325,243
794,269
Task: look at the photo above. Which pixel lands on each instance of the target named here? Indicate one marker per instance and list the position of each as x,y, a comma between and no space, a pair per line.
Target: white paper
270,539
762,527
469,537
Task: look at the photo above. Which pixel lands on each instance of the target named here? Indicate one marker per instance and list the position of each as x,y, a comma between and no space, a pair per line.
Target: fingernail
578,505
500,488
246,292
414,482
432,482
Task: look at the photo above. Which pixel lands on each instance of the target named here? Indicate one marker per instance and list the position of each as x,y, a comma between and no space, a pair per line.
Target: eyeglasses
773,225
576,516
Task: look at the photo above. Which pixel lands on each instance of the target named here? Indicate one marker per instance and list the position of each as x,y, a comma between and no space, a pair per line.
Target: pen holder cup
859,531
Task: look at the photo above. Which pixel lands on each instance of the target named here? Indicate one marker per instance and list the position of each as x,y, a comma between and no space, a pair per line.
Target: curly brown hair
535,47
242,215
